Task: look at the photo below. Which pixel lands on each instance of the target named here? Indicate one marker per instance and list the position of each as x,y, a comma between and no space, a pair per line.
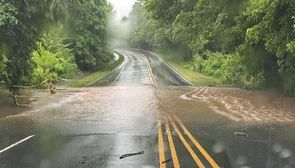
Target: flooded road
145,107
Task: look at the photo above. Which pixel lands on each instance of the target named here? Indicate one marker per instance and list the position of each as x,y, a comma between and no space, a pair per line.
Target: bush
228,69
3,73
55,65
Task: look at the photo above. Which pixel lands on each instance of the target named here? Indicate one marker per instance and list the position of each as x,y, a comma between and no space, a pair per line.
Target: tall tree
20,27
256,35
24,22
88,26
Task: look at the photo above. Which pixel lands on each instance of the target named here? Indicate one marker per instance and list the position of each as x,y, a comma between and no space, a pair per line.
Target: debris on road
131,154
165,161
241,134
82,162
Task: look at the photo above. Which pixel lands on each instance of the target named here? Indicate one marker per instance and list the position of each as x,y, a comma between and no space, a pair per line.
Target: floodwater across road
147,112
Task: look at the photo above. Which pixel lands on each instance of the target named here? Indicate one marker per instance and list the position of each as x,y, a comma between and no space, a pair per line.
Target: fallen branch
131,154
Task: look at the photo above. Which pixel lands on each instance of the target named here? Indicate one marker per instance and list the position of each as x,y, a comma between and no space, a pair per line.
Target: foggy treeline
248,43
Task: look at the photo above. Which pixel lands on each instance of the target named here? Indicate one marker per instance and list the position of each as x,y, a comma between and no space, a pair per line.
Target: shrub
53,65
229,69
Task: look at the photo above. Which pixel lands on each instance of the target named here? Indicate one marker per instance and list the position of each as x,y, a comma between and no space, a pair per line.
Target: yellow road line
161,146
187,146
198,145
172,147
151,76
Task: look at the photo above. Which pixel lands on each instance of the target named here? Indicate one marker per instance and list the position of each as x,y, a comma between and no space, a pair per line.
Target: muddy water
213,115
92,110
103,122
246,106
7,106
236,104
94,104
239,128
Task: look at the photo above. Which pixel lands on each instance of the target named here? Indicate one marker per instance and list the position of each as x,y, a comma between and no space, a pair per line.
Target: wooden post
15,100
14,95
52,91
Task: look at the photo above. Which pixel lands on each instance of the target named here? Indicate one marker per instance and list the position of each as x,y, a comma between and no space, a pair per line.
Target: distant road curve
134,68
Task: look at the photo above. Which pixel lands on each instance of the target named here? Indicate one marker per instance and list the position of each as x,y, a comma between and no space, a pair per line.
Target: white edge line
123,67
17,143
173,69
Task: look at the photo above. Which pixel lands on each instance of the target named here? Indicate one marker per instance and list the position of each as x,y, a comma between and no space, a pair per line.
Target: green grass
187,70
88,78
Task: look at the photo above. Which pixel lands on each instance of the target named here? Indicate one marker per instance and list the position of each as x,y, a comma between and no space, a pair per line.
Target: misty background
121,23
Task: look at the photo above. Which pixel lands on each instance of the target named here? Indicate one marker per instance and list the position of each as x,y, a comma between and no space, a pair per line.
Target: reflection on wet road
145,106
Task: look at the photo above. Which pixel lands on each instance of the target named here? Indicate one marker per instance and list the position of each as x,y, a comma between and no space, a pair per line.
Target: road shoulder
90,78
186,70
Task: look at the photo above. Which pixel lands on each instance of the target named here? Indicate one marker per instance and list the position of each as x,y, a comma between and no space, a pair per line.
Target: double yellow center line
151,76
171,145
174,121
170,120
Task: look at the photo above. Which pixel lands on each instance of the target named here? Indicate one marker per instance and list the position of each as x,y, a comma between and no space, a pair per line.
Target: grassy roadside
87,78
187,70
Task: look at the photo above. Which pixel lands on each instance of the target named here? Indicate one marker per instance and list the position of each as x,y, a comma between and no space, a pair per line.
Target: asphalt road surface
144,115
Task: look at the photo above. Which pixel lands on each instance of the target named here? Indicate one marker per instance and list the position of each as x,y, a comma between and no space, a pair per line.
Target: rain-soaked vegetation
244,43
41,39
248,43
147,89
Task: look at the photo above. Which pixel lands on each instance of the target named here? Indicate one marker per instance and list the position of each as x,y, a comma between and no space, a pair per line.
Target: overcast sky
123,7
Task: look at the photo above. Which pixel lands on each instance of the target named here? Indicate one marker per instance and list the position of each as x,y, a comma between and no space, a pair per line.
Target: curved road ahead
144,115
139,67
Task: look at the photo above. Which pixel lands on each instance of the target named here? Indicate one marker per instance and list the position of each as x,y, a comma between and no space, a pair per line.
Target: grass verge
87,78
187,70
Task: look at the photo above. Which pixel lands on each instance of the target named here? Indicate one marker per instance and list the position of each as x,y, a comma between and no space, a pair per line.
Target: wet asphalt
115,123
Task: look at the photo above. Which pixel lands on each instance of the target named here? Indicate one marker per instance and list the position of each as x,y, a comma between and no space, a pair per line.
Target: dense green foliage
248,43
20,25
41,38
52,60
87,25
